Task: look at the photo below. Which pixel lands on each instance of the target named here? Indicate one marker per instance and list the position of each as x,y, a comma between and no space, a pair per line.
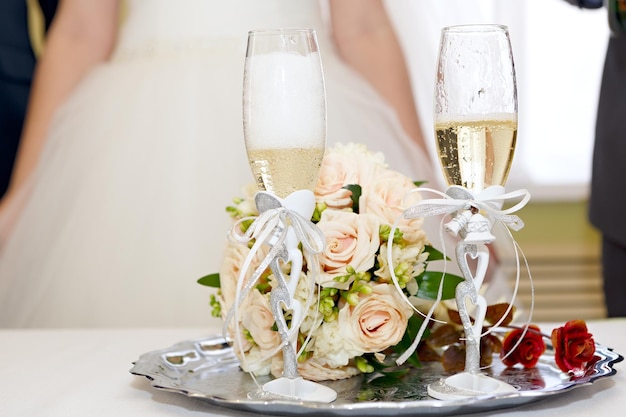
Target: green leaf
211,280
428,283
355,189
419,183
434,254
387,379
412,329
395,374
386,370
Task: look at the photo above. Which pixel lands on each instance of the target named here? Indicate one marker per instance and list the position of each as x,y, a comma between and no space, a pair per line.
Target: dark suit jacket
608,186
17,63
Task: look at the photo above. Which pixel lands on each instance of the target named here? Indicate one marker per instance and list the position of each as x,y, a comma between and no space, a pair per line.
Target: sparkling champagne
285,170
284,120
476,153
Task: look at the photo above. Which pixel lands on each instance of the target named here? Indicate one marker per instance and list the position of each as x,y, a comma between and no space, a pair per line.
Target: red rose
527,352
573,346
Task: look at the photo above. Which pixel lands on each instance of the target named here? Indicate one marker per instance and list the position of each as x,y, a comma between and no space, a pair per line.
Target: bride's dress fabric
127,207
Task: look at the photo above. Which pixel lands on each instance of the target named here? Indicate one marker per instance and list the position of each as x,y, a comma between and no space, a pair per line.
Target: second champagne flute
476,130
475,106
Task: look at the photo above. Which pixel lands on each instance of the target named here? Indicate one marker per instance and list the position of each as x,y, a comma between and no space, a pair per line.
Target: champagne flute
475,120
475,106
284,109
284,119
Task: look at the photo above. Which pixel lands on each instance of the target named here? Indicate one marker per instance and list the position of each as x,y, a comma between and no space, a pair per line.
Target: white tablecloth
54,373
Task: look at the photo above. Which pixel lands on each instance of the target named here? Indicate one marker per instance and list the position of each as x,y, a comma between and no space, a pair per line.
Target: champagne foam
444,118
284,106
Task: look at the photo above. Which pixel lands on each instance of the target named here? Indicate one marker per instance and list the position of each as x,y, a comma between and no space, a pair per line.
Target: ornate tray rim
167,376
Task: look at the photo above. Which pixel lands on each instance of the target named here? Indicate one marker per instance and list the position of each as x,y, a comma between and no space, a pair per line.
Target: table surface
67,372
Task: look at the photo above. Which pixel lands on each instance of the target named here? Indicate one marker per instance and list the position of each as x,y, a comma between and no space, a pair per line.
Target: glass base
466,384
300,389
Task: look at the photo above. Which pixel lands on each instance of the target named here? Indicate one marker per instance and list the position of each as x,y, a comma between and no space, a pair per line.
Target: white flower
413,256
351,150
246,206
331,347
257,362
312,317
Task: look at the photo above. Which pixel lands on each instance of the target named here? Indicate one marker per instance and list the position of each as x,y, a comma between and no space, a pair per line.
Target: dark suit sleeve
48,8
608,199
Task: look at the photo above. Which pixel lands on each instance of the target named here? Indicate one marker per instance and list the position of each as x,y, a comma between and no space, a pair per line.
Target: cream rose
378,321
351,240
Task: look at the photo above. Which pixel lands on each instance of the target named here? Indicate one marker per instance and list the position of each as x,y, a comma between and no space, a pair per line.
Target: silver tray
208,369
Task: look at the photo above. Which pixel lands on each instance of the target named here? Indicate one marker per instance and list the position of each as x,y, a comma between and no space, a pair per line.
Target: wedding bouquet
359,316
360,311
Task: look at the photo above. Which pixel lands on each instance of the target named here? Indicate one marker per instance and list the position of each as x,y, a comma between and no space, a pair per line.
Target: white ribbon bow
456,199
271,227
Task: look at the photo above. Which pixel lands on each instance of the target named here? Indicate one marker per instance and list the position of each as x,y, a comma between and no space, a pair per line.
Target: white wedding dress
127,207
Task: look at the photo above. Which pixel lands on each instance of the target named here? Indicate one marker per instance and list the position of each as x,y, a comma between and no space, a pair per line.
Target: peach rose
378,321
385,198
234,257
315,371
344,165
258,320
312,370
351,240
334,174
